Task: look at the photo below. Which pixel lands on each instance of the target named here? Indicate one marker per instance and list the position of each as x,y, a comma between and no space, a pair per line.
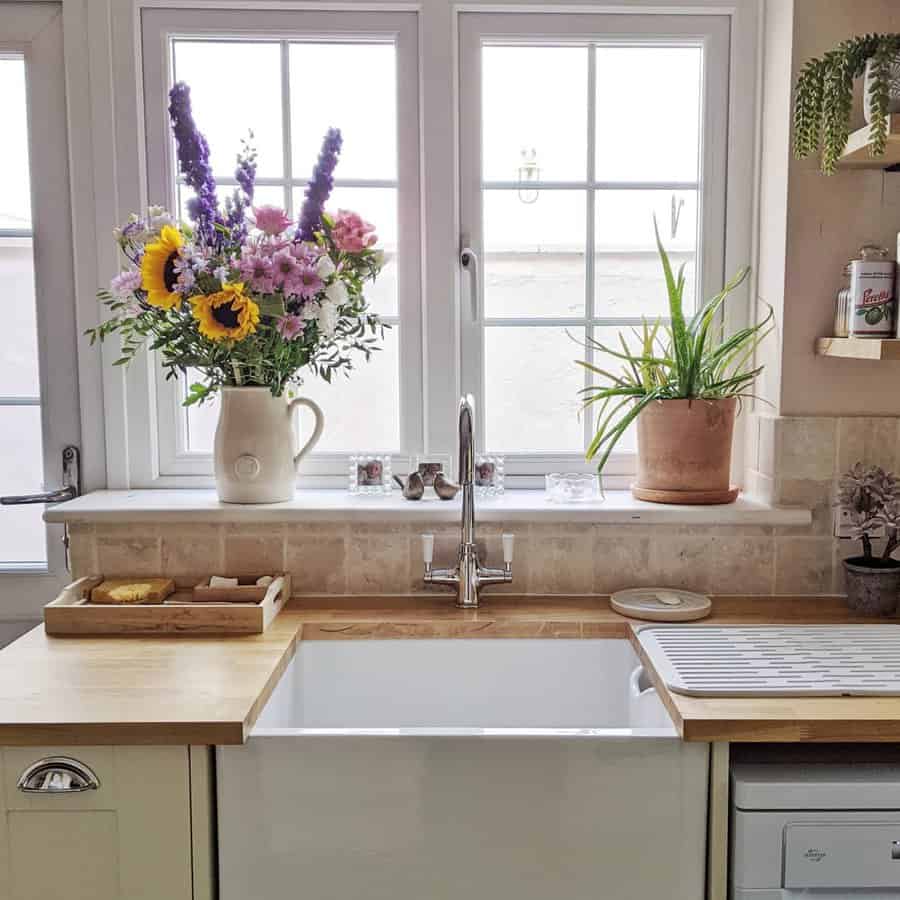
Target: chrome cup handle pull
57,775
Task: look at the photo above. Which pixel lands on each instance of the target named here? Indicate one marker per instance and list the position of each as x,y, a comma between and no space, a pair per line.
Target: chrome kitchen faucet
469,574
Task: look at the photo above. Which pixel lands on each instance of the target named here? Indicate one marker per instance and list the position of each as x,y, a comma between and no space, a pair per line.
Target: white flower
158,217
309,312
325,267
379,258
336,292
327,318
221,273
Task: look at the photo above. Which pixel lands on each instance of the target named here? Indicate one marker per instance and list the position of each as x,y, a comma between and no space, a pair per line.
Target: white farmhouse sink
479,768
469,684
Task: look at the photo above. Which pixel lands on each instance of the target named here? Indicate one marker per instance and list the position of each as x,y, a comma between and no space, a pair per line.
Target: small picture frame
370,474
430,465
489,475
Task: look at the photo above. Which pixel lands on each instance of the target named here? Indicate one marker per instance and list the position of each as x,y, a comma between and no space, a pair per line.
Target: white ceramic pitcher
255,446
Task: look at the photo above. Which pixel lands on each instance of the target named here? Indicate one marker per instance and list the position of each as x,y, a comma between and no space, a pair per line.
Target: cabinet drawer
128,839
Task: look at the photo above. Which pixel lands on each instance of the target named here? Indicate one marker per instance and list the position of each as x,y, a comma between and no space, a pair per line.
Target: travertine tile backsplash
793,462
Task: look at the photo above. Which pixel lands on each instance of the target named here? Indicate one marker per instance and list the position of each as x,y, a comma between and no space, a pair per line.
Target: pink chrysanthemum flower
351,233
307,282
271,220
306,252
290,327
286,271
256,270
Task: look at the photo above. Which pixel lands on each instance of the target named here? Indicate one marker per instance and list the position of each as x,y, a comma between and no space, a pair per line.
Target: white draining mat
776,660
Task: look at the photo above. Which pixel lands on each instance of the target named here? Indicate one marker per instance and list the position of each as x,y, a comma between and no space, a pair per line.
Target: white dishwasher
815,830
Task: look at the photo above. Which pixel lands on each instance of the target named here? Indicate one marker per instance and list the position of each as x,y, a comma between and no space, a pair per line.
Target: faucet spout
469,574
466,440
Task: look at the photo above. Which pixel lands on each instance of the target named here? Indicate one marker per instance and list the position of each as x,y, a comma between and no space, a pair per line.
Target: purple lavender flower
319,188
193,159
126,283
245,174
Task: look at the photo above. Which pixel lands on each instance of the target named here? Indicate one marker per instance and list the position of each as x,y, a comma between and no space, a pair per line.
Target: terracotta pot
685,445
255,453
872,590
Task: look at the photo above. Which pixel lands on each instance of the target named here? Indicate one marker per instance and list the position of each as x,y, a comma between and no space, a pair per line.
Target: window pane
22,533
263,194
608,335
378,206
15,199
348,86
666,81
534,254
627,270
531,389
534,112
19,360
362,412
251,72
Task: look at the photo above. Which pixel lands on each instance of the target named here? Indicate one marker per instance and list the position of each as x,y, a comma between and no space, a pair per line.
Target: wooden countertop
193,690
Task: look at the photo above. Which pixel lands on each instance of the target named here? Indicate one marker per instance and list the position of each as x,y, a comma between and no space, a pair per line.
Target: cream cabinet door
130,839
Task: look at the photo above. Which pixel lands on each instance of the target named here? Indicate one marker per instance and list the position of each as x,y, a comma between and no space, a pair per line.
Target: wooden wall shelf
856,153
859,348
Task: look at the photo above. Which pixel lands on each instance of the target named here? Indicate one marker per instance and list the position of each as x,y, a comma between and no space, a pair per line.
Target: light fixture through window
529,172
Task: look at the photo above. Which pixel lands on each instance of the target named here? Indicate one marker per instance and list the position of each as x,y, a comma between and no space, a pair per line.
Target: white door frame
36,31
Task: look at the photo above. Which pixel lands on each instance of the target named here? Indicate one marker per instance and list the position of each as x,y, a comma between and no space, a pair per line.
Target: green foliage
823,97
688,358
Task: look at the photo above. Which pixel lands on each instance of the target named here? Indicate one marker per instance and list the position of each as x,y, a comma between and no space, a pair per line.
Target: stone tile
316,557
622,558
803,565
124,550
254,549
715,563
816,496
805,447
378,559
82,551
193,552
562,559
872,441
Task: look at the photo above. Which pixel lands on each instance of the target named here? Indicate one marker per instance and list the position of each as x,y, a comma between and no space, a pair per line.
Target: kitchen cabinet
129,838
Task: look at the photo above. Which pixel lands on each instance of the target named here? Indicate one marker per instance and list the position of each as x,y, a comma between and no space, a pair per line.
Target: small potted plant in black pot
872,498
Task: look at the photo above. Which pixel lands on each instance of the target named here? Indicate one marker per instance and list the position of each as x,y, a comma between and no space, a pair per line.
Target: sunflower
158,273
226,315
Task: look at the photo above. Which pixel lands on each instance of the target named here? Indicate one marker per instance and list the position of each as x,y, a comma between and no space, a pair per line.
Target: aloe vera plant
684,358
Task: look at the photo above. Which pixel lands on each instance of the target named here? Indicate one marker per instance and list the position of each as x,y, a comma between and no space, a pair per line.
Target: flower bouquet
245,297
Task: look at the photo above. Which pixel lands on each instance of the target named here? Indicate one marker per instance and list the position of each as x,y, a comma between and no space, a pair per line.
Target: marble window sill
618,507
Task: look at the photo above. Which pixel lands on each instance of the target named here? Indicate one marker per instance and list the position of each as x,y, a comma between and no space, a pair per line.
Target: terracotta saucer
691,498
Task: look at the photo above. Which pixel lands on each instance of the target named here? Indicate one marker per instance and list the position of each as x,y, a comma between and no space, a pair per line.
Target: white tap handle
508,541
427,548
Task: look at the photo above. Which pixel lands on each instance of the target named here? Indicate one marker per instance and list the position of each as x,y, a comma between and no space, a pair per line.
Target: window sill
619,507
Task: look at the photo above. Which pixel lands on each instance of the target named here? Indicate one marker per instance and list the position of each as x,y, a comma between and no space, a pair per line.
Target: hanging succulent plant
823,97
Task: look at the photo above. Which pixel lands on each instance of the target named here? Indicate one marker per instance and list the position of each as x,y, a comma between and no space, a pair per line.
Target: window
576,132
288,109
545,142
23,543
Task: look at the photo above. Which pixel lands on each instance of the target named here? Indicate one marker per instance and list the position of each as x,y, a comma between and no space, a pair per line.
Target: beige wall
823,224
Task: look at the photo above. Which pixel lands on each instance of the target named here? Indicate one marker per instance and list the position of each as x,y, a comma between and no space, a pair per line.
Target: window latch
71,483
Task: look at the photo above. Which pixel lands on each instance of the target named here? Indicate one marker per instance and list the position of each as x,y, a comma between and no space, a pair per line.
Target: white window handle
468,259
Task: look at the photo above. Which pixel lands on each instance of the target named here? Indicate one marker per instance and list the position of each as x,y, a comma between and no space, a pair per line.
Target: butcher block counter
209,690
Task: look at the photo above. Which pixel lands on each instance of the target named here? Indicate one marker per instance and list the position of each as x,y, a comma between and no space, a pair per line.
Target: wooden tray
73,614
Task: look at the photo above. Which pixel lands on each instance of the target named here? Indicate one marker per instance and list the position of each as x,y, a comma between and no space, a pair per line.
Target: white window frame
586,31
169,460
105,91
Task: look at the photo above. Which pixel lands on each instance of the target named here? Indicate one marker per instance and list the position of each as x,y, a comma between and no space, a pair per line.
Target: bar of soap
133,590
217,581
264,581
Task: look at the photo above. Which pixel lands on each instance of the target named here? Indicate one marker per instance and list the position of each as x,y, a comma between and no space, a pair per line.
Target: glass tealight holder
572,487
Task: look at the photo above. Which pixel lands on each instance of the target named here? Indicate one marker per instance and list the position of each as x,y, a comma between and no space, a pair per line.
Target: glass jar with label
872,302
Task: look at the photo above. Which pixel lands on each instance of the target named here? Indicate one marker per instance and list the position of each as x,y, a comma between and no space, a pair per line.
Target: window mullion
286,144
590,199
